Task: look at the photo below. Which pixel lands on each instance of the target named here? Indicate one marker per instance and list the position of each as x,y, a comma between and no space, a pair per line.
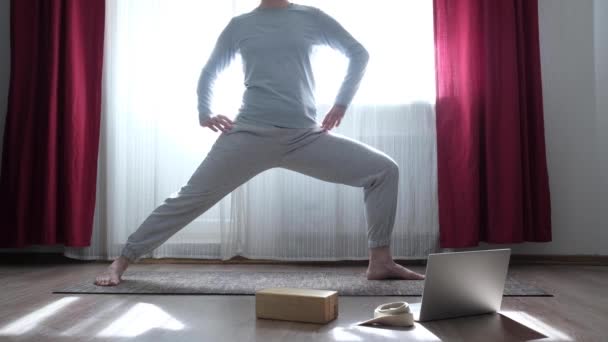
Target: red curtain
493,183
49,165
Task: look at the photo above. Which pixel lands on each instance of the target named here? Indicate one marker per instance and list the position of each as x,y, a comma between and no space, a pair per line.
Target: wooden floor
30,312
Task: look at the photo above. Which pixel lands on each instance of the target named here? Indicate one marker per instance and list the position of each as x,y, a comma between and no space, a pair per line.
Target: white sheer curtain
151,141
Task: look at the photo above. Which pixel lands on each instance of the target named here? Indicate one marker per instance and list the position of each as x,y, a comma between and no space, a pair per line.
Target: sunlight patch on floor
342,335
28,322
357,333
139,319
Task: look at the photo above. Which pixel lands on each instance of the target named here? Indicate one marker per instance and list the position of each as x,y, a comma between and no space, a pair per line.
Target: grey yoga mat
247,282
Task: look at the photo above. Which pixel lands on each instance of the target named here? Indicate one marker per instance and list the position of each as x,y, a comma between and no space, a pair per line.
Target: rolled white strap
394,314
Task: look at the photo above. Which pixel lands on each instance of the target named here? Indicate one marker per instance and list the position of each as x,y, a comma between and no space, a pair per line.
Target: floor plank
30,312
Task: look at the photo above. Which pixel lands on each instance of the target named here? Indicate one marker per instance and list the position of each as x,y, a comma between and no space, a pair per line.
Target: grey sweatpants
247,150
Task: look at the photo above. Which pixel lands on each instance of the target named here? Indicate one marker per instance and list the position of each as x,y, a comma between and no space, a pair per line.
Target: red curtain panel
49,165
493,183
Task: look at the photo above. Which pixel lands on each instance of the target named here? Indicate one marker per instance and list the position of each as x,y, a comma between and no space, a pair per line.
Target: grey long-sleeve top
275,46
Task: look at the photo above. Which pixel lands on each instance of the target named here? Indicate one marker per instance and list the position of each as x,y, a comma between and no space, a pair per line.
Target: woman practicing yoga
276,127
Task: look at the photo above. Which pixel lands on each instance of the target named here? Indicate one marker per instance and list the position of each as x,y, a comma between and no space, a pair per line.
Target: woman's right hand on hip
221,122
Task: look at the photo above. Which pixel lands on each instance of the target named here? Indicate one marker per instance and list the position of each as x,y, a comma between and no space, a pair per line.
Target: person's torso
275,47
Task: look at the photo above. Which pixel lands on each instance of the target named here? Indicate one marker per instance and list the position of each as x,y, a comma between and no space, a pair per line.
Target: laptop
462,284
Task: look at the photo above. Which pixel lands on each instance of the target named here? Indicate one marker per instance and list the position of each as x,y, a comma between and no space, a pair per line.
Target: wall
574,39
601,93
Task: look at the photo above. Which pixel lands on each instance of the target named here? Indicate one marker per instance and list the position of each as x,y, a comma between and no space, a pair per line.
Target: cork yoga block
300,305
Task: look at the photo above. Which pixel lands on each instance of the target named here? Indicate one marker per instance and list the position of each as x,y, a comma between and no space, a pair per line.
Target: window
156,49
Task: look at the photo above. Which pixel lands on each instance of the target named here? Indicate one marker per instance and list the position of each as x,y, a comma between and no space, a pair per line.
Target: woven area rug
247,282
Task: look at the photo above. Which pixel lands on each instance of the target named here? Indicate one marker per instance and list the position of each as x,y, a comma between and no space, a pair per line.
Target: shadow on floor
489,327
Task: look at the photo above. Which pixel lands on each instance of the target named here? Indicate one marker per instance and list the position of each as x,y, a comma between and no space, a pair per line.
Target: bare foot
391,270
112,275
